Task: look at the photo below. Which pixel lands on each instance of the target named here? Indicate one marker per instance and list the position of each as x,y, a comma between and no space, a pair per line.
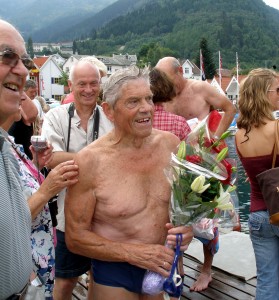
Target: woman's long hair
254,104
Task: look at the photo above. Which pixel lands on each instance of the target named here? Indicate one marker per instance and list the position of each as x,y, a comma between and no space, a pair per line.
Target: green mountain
88,26
248,27
42,19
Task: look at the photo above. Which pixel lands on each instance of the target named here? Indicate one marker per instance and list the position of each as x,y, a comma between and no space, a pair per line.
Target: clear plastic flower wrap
202,179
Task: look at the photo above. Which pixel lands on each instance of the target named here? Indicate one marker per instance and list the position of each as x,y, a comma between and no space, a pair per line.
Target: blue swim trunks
118,274
212,245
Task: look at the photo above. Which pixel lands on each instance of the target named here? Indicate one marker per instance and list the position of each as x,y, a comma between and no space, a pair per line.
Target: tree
151,53
75,50
29,47
63,80
209,66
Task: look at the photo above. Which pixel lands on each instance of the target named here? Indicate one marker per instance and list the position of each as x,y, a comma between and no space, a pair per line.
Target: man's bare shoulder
198,84
166,137
93,152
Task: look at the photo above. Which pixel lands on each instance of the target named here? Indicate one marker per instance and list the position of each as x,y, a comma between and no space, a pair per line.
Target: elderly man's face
32,92
133,112
86,85
12,79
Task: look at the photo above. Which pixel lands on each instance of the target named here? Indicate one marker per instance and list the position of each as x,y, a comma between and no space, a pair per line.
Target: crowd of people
107,148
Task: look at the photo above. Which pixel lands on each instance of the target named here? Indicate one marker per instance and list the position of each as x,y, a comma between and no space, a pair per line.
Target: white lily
223,201
198,185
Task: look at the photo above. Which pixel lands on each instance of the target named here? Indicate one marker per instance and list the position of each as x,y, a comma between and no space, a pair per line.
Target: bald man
195,98
15,216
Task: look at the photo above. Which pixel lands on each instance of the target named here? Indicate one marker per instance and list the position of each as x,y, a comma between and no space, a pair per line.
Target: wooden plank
221,276
230,285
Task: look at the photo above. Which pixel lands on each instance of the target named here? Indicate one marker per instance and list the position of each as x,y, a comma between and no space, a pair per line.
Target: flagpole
202,66
201,63
236,66
220,67
237,90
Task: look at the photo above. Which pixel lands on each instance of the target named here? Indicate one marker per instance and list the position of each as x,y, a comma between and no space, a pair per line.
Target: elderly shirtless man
195,98
117,213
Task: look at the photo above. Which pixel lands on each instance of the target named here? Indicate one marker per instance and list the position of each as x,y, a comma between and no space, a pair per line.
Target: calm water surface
243,188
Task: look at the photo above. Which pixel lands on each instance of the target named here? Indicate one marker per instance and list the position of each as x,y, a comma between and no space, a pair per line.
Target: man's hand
156,258
187,235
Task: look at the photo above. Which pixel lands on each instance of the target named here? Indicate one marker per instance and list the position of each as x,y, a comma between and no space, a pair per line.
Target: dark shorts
68,264
118,274
211,245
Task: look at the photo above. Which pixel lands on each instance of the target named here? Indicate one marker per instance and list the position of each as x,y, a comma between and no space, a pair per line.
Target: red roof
39,61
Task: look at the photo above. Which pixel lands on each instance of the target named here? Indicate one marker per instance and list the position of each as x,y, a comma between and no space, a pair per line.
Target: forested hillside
248,27
42,19
88,27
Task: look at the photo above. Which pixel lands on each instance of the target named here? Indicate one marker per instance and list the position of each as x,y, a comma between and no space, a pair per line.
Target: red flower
195,159
214,120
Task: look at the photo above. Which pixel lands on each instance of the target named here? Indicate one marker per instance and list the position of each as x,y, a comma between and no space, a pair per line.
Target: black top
22,134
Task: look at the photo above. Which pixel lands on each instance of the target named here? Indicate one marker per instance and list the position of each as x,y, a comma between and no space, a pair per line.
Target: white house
113,63
190,70
70,62
217,86
39,47
49,77
59,59
232,90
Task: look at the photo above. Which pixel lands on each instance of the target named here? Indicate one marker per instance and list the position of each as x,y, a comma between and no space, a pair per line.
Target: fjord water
243,188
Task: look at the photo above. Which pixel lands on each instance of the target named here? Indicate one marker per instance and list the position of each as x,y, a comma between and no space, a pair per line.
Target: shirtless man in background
118,212
195,98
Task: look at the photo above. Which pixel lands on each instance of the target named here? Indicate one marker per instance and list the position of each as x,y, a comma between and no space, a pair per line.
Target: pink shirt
70,98
167,121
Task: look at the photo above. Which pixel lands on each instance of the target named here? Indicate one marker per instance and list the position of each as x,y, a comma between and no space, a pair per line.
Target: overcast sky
273,3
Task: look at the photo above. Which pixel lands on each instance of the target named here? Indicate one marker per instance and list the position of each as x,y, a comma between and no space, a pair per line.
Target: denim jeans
265,240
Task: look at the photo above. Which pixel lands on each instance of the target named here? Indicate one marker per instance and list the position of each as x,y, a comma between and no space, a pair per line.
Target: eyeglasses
277,91
10,58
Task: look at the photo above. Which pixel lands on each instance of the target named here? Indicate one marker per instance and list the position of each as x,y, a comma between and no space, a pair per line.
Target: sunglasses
277,91
10,58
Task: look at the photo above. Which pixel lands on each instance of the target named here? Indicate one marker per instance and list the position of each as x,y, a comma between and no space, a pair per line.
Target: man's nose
145,105
20,69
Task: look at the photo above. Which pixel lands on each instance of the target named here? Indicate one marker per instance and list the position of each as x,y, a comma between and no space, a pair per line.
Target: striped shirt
15,226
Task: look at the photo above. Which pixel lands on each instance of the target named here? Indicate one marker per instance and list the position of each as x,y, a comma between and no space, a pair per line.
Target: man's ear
180,69
108,110
70,85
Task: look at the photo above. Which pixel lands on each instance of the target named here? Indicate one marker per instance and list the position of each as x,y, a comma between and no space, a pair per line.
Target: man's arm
219,101
59,157
52,130
29,111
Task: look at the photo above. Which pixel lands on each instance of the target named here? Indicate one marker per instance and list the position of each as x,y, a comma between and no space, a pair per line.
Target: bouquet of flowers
202,178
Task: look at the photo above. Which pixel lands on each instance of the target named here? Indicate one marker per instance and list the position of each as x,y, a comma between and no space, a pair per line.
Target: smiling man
69,128
15,216
117,214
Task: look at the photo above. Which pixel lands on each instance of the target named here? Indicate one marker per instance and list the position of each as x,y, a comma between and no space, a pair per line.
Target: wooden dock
224,286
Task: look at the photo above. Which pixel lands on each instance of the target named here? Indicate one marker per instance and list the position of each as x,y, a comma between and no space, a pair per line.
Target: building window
55,80
56,97
33,78
186,70
109,68
67,69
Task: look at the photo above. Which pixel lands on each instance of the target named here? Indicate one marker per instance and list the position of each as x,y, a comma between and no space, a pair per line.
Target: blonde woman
258,98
